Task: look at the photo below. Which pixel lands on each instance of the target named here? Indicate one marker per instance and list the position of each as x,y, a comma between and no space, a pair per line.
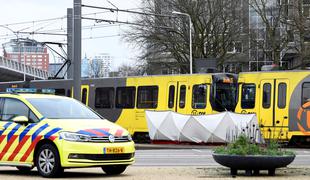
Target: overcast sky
97,37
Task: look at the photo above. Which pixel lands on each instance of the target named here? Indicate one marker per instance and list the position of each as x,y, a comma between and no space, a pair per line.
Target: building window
182,96
199,96
171,96
282,95
125,97
248,96
104,97
266,95
238,47
305,93
306,8
147,97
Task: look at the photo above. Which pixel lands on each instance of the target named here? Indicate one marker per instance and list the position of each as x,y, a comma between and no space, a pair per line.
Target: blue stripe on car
23,134
50,133
86,133
38,131
13,131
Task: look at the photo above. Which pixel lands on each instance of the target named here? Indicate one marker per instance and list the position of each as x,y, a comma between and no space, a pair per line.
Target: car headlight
70,136
129,137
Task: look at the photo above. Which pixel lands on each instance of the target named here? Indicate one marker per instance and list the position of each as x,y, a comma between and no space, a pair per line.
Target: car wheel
24,169
48,161
114,169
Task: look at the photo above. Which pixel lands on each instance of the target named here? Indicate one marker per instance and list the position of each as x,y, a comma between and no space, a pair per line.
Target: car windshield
62,108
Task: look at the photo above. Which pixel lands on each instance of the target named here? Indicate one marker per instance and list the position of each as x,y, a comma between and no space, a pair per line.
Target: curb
171,146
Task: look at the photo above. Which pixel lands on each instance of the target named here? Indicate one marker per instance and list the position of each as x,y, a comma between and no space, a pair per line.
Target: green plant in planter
245,154
243,145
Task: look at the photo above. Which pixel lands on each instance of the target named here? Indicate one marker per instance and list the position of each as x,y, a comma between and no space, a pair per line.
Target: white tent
215,128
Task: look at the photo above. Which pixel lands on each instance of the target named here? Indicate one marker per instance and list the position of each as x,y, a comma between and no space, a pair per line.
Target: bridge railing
21,68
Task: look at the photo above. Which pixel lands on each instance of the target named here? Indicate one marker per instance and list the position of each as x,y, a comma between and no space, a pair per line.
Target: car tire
114,169
24,169
48,161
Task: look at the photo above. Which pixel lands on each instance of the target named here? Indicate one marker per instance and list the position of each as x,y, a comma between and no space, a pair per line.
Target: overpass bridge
14,71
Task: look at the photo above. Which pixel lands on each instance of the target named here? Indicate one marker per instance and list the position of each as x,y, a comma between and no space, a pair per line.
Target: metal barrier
23,69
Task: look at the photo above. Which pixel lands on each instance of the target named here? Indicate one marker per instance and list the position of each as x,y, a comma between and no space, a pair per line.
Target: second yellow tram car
281,101
124,100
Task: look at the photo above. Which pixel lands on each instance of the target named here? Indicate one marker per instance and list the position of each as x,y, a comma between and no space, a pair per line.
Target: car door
15,138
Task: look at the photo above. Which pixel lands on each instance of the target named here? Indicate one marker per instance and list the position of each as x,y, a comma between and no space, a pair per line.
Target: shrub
243,145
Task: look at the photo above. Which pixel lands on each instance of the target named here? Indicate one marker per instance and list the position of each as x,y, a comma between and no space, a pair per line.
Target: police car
53,133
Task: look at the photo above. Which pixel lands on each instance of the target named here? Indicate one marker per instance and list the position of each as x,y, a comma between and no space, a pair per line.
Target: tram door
84,94
274,103
266,103
182,100
281,106
172,89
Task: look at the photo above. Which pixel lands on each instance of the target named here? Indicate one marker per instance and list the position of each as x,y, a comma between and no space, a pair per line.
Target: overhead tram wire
124,22
128,11
50,31
57,18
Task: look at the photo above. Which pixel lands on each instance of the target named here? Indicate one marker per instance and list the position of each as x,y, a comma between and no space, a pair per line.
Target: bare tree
270,34
215,26
298,21
95,67
132,70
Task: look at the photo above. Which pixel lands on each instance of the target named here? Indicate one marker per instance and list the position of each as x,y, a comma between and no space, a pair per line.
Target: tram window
60,92
266,95
171,96
282,95
147,97
248,96
84,95
182,96
305,93
68,93
104,97
125,97
199,96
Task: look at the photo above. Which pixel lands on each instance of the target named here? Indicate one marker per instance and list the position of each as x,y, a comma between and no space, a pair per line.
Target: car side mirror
20,119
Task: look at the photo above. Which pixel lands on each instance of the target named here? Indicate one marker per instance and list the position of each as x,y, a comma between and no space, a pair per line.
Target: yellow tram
281,101
124,100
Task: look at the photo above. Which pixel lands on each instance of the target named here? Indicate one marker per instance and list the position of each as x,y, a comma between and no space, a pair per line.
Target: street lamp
17,39
190,39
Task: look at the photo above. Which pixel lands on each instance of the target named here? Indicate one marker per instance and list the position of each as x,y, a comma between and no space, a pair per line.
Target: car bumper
83,154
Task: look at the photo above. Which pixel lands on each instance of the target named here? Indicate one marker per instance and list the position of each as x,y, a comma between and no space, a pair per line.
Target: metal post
24,63
70,43
77,36
190,46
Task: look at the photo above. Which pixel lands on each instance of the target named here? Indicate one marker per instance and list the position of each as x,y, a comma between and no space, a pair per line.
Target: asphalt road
197,157
172,164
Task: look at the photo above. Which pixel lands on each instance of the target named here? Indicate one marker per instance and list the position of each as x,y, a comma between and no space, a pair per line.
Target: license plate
113,150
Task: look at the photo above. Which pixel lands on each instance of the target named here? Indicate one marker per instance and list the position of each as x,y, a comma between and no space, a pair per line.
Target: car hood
91,127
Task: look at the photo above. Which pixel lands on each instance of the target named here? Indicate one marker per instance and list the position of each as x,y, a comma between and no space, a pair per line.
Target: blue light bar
48,91
21,90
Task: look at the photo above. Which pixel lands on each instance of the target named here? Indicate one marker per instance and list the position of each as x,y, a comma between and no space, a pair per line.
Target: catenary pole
77,36
70,42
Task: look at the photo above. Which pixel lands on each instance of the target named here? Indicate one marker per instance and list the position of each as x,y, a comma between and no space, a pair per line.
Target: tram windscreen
224,92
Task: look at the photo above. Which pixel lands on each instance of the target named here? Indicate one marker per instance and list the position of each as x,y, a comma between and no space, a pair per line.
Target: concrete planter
252,164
